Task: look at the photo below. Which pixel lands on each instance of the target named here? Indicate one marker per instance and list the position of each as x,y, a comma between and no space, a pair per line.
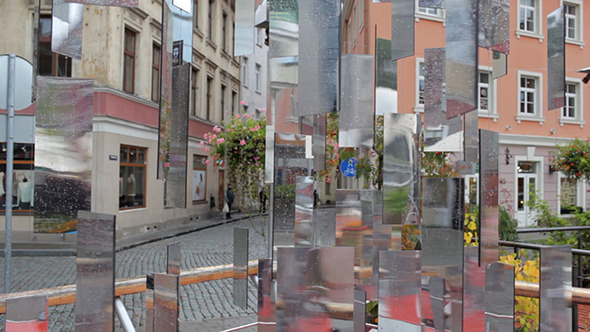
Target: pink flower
206,149
257,163
237,115
243,102
256,158
220,140
205,136
167,164
216,129
257,127
202,143
243,142
207,161
336,145
246,115
253,129
262,110
328,180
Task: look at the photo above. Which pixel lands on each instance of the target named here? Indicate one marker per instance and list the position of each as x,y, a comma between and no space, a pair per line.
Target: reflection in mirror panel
283,29
243,28
95,272
400,290
555,288
319,141
494,25
115,3
66,29
304,222
319,52
324,227
290,162
315,286
442,228
173,258
556,58
241,267
474,289
401,169
436,288
489,213
266,305
434,79
356,101
386,79
269,160
431,3
462,56
470,141
63,154
27,314
402,28
166,305
354,228
499,297
360,310
500,65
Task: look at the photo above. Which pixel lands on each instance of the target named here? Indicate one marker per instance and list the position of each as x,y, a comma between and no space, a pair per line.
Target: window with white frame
429,11
258,79
571,196
435,14
529,96
420,83
572,111
245,72
527,20
573,20
484,96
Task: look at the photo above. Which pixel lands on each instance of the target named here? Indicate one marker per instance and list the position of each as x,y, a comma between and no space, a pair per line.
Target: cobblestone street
206,306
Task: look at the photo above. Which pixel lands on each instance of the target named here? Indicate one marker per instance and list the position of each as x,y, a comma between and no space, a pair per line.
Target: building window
132,171
129,61
529,97
420,84
572,111
528,19
569,110
429,11
51,64
156,73
223,102
484,99
259,37
210,20
234,102
196,14
209,97
245,72
570,196
573,20
224,33
22,179
195,91
258,79
199,178
435,14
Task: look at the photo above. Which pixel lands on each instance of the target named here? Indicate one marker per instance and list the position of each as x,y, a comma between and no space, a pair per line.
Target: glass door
526,182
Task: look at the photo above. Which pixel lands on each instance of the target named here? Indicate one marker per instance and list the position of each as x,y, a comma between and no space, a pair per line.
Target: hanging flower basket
573,159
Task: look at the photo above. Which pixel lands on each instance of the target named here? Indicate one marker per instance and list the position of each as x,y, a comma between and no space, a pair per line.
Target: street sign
348,167
23,83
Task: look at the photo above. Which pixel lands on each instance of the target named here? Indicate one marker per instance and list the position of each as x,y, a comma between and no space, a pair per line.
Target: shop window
199,178
51,64
132,178
23,177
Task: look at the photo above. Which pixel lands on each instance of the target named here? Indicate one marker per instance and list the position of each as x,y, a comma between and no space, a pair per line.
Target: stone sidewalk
206,306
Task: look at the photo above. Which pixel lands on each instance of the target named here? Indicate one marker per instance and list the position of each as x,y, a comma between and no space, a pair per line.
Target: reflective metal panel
499,297
360,309
149,303
266,305
283,28
241,267
431,3
356,101
166,305
555,288
470,141
386,79
63,154
442,245
174,102
319,141
500,65
434,93
402,28
244,28
269,160
26,314
66,29
462,57
400,290
324,227
173,258
304,223
556,58
116,3
401,169
494,25
315,289
95,272
489,213
474,288
319,53
436,288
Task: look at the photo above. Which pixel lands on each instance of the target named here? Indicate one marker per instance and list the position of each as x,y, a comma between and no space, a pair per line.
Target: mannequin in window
24,194
200,191
131,188
2,191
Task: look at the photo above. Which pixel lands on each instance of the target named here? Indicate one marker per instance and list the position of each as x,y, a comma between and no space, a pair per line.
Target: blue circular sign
348,167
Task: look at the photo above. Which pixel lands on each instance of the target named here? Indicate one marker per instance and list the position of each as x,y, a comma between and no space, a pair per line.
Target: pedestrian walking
229,199
262,200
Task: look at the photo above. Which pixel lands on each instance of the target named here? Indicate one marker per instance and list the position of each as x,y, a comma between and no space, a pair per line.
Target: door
526,182
221,191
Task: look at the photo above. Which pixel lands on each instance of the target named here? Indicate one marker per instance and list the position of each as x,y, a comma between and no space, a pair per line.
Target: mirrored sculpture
244,27
66,28
241,250
26,314
556,58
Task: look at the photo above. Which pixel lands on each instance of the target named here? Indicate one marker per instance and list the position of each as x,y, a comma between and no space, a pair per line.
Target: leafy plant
507,226
573,159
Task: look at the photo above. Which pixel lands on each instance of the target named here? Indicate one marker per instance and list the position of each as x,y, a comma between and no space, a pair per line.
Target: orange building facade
529,133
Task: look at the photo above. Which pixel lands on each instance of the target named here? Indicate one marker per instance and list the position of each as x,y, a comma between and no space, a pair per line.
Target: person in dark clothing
262,201
229,198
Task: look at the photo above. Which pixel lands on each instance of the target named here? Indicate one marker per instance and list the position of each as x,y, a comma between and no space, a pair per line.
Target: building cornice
548,141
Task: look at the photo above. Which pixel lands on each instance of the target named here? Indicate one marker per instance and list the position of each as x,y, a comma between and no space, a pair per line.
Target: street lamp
587,72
